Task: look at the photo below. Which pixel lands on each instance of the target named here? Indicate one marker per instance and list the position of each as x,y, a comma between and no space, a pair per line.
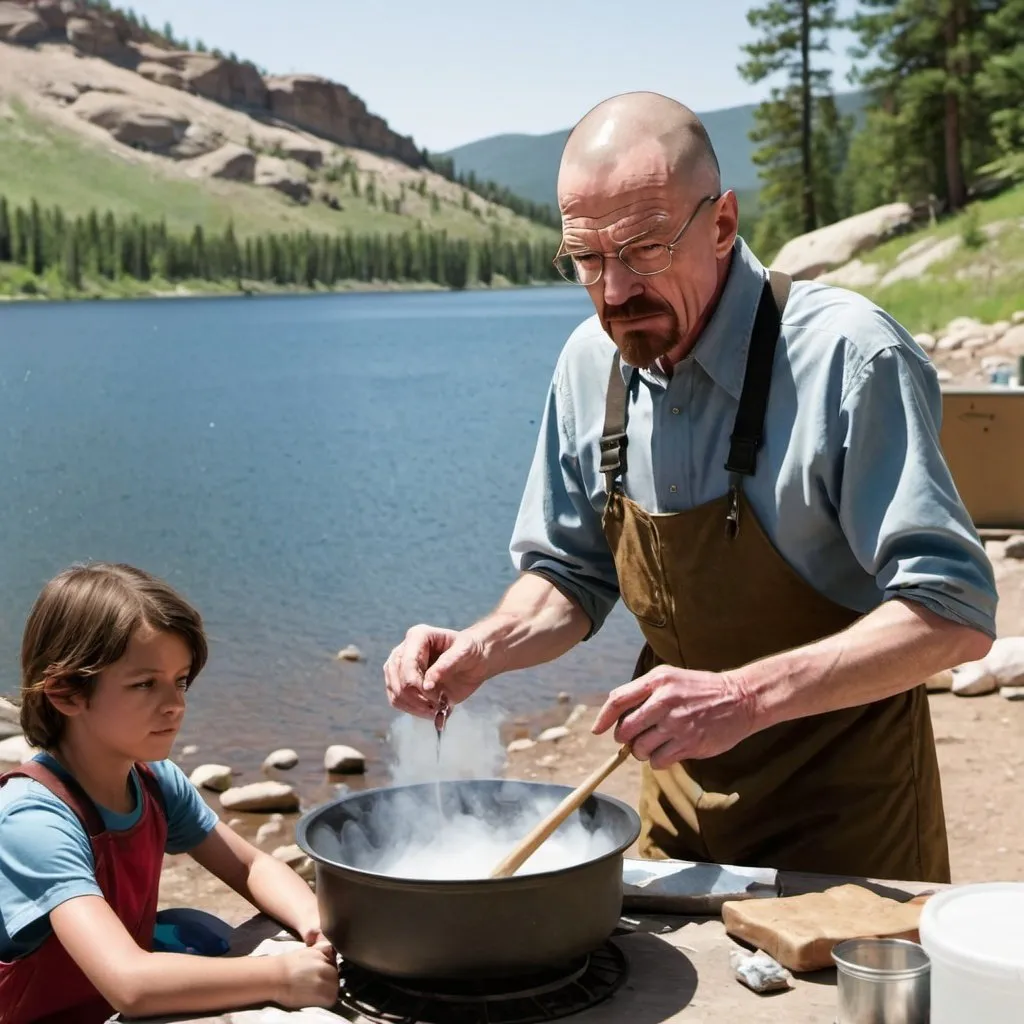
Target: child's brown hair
81,624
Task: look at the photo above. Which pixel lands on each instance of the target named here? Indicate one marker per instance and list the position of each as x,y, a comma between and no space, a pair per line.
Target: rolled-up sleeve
558,530
899,507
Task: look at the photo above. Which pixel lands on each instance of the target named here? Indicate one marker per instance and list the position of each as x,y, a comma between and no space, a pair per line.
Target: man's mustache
635,307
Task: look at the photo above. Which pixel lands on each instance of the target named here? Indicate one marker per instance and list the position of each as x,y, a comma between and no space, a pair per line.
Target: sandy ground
980,744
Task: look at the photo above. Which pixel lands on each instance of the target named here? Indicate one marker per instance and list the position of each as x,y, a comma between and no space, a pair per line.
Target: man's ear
727,221
64,695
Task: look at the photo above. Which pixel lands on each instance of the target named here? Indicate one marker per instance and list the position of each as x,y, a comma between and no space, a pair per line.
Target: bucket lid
981,926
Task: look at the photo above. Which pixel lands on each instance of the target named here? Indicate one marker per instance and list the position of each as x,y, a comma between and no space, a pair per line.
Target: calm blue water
310,471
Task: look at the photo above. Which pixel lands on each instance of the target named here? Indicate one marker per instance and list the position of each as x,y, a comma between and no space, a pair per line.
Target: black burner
525,999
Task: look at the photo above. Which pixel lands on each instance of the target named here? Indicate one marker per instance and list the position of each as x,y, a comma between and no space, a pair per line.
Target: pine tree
71,271
793,32
930,128
1001,84
6,241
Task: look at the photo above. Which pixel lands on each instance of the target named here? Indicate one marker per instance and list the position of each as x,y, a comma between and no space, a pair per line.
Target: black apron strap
748,427
613,437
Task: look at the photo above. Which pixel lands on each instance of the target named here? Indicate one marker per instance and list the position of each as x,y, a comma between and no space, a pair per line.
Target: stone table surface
678,971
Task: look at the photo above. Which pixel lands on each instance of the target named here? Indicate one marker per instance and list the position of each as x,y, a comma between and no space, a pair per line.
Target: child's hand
310,977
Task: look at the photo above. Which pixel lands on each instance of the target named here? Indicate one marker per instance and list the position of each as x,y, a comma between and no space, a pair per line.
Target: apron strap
66,790
748,427
613,437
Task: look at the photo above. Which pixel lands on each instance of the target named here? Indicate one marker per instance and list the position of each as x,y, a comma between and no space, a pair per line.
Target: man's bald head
640,133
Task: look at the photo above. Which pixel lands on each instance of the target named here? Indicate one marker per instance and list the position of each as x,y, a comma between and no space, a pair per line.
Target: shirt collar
721,349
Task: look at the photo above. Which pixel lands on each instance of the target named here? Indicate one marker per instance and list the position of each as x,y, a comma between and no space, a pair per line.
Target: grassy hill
39,160
528,164
981,277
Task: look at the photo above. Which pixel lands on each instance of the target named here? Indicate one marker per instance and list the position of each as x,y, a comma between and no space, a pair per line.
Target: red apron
47,986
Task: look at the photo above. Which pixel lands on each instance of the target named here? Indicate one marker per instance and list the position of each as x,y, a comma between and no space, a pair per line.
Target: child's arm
141,984
267,883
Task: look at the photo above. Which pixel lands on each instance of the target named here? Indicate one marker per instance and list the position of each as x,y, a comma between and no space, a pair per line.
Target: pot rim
302,827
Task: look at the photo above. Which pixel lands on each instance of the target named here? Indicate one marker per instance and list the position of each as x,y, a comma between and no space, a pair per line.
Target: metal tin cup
882,981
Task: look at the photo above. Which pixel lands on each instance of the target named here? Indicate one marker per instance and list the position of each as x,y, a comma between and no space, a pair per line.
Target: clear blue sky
452,72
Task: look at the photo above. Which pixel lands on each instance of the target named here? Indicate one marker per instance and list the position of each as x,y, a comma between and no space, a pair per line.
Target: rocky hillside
937,278
95,112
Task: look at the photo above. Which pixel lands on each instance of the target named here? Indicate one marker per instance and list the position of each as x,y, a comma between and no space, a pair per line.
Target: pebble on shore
344,760
284,758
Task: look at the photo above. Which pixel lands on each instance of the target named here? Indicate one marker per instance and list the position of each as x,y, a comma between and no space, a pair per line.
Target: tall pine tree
929,134
793,34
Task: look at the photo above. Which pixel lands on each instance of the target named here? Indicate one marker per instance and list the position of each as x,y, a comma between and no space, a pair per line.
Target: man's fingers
413,656
620,700
435,676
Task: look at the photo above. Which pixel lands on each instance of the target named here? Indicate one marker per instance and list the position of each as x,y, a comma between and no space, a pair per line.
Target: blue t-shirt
45,854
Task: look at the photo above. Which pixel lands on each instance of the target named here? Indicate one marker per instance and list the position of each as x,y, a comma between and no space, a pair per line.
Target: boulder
211,776
231,162
10,719
198,140
272,172
268,830
1002,666
342,760
940,682
521,744
21,25
926,341
1014,547
915,266
261,796
1013,340
808,256
296,859
552,735
1018,317
333,112
855,274
63,92
284,759
16,750
349,653
132,122
54,13
576,716
99,37
216,78
161,74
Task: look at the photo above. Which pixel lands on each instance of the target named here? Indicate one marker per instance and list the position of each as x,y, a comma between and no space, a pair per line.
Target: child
108,655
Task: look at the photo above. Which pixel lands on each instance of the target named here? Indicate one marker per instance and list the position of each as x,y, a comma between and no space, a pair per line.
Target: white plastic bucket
974,937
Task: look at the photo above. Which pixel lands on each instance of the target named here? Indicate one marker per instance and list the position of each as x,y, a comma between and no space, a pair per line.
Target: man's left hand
672,714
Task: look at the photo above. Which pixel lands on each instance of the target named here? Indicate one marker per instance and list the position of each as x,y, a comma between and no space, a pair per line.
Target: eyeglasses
643,258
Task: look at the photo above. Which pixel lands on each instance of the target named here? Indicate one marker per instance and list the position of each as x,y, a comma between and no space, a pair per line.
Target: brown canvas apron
854,791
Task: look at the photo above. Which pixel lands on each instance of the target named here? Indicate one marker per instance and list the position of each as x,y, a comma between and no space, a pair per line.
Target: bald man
753,466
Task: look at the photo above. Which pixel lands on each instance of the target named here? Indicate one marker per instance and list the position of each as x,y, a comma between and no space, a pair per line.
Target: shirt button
673,488
675,410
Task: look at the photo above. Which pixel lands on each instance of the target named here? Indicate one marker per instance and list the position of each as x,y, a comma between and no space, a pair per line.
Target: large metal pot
448,929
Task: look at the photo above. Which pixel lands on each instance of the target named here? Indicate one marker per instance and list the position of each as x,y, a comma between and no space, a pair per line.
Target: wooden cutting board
800,931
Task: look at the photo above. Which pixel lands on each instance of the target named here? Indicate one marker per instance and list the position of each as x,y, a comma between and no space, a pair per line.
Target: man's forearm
534,623
895,647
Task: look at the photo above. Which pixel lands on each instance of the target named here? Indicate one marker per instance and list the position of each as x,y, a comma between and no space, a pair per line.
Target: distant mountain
528,164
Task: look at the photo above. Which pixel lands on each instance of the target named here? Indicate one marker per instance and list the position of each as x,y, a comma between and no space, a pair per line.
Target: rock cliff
318,105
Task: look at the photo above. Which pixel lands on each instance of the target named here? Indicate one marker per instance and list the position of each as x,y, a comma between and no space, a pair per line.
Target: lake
310,471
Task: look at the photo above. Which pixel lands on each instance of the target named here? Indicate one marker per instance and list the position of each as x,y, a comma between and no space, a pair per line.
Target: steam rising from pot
435,830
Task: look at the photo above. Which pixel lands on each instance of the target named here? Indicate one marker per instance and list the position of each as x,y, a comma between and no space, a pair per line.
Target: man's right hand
310,977
432,661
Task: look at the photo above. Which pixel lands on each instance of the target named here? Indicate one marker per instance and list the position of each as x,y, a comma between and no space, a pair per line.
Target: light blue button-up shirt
851,485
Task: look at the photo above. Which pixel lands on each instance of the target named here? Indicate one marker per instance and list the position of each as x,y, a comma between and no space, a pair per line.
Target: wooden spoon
528,846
